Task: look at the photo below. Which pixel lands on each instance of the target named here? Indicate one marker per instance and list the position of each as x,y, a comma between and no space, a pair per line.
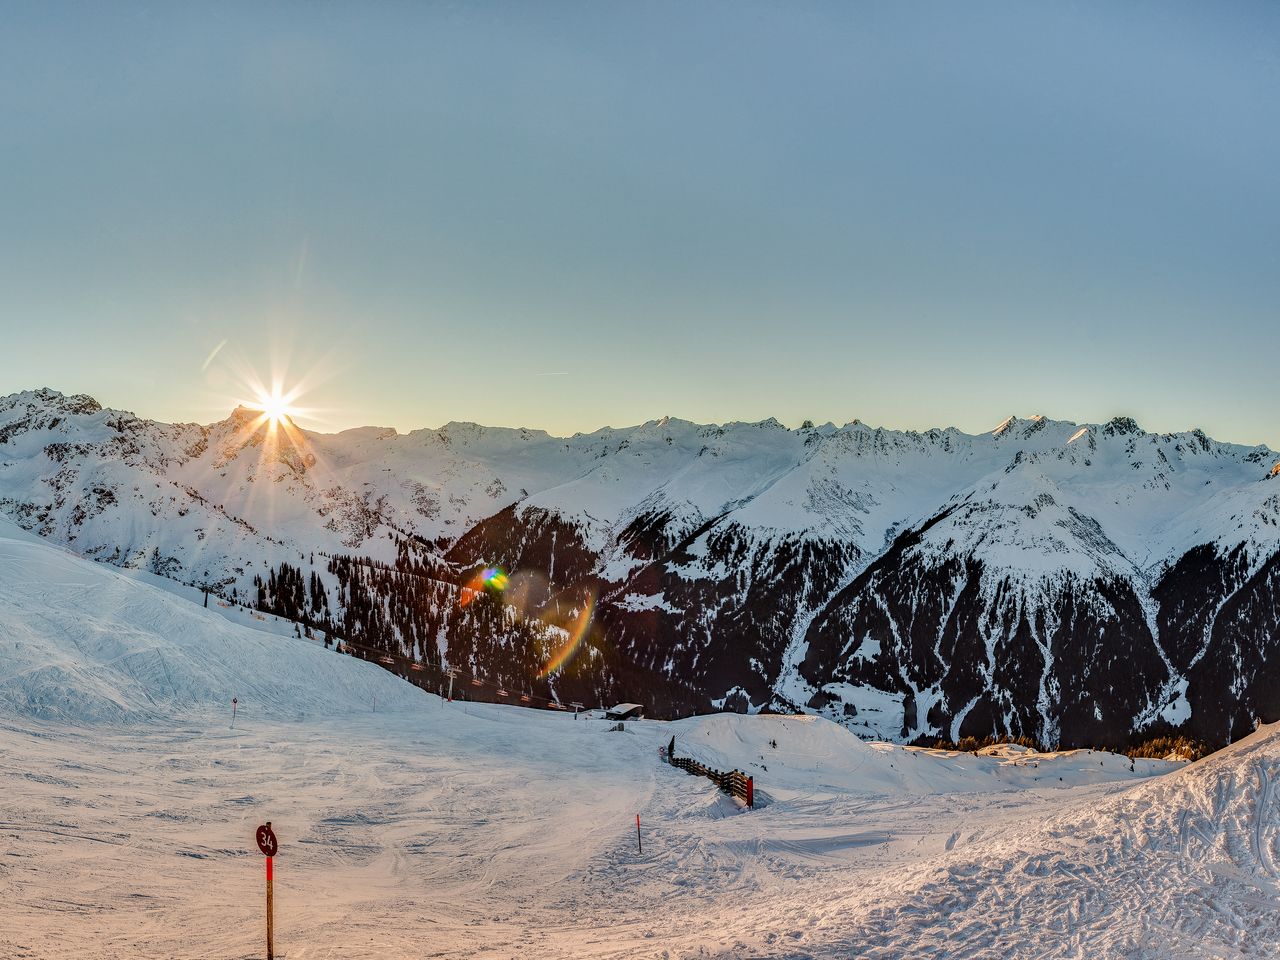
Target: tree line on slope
421,609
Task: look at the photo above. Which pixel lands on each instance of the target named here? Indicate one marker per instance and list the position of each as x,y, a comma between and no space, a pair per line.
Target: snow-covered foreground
424,829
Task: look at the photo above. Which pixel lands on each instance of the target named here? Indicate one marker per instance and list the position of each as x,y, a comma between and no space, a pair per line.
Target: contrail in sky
301,264
209,359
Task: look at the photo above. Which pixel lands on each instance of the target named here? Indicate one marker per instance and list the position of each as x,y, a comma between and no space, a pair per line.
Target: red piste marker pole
271,914
639,845
234,701
267,844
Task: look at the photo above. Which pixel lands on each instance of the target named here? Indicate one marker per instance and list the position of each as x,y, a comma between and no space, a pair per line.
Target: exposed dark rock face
1065,661
1189,596
1238,679
721,608
528,539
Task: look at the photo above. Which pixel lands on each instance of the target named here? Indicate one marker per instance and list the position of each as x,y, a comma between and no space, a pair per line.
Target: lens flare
577,633
490,578
526,591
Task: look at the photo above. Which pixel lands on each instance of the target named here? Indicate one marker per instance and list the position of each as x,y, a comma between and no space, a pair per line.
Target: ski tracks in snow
500,833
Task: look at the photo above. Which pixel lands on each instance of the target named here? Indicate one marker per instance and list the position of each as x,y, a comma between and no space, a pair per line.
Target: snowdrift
792,756
1186,866
81,643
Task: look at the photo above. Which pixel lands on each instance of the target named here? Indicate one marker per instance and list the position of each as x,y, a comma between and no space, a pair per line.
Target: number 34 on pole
268,845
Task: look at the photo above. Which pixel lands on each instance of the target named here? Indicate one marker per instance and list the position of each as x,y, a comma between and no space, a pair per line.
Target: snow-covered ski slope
84,643
128,803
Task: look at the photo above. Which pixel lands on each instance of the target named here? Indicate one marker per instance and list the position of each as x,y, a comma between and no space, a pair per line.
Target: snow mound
84,644
804,756
1184,866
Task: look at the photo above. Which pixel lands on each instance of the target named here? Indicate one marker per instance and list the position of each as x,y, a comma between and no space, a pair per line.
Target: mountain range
1071,583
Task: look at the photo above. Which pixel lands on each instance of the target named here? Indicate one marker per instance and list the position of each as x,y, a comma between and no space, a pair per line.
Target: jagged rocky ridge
1071,583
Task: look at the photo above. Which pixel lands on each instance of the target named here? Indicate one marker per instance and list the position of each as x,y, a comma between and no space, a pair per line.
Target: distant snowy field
414,828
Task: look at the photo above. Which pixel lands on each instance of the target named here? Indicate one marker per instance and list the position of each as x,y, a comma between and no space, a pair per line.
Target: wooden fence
735,782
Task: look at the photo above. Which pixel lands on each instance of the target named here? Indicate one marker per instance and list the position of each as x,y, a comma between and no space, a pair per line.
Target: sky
571,215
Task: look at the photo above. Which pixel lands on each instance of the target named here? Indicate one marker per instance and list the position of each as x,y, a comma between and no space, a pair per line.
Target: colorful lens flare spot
577,633
492,578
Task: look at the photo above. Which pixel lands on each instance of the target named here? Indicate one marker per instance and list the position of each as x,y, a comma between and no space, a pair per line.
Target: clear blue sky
566,215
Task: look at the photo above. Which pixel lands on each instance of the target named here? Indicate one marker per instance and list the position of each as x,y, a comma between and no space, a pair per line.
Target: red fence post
751,791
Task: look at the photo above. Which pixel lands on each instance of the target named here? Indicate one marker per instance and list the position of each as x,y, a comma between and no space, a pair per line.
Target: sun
275,407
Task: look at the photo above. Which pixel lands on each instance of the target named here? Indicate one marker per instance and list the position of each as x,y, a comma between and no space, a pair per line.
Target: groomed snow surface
414,828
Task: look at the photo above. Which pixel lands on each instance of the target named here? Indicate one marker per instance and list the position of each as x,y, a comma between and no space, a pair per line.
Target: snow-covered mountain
1072,583
131,801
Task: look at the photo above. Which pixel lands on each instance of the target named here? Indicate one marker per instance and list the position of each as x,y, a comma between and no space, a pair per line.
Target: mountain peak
54,399
1121,426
